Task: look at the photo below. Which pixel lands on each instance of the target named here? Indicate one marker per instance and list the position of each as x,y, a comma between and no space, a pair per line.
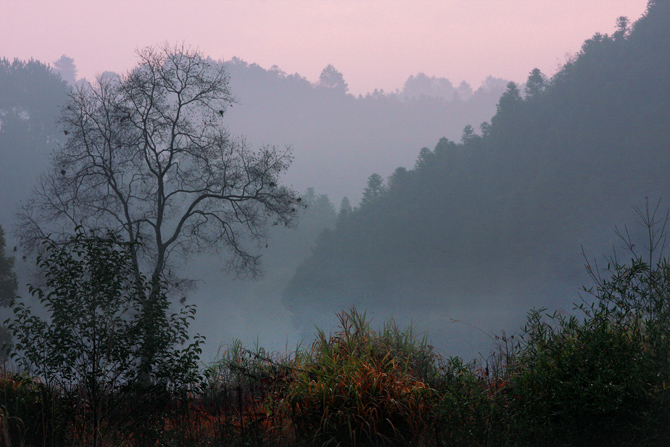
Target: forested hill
501,215
338,138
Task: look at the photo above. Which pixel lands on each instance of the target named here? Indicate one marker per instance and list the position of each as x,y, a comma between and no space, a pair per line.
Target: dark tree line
505,210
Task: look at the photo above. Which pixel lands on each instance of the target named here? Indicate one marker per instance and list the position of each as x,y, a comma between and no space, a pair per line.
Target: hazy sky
374,43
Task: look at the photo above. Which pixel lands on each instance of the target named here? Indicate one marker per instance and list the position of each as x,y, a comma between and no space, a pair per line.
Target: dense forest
496,221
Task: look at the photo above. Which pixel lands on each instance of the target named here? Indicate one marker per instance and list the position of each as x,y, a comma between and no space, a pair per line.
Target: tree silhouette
375,188
67,69
332,79
148,158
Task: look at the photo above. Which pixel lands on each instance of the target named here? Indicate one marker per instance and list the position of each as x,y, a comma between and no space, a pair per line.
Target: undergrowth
564,381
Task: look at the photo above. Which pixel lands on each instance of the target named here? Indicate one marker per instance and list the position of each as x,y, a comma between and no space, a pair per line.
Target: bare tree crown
148,157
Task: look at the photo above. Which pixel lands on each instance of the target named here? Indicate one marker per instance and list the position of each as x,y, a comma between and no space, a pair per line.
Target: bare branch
147,156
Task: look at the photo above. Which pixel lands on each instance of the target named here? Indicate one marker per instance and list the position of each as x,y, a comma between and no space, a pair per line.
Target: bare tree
148,157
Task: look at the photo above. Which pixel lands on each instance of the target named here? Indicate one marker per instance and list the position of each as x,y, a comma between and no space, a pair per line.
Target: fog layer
337,141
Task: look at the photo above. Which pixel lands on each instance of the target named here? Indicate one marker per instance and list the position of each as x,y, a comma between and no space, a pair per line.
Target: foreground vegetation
603,379
600,376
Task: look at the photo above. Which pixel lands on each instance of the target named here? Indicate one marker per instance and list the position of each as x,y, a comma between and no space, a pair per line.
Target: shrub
463,412
602,378
361,387
584,382
91,344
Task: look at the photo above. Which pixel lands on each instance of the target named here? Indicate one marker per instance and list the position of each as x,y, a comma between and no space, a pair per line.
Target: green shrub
602,378
91,345
584,382
462,414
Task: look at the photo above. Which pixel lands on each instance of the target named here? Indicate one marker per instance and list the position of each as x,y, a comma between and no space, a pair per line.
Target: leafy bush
584,382
602,378
91,345
463,410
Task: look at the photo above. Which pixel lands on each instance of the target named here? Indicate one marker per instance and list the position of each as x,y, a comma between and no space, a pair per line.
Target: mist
337,140
490,194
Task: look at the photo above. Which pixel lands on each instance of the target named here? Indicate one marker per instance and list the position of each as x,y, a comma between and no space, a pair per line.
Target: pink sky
374,43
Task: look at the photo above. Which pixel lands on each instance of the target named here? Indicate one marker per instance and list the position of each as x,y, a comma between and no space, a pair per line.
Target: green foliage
602,378
586,382
463,412
92,343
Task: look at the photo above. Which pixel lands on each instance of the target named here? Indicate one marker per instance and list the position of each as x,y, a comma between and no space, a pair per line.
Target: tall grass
599,378
357,386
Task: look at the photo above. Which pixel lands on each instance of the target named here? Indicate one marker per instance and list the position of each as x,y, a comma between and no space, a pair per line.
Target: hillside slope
496,221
